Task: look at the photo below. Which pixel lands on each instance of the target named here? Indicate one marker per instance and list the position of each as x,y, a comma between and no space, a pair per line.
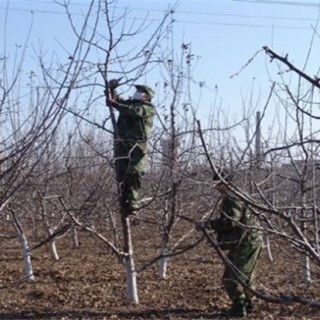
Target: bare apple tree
280,180
126,49
30,120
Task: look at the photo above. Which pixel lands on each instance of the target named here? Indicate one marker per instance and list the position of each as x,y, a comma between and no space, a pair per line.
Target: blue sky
224,33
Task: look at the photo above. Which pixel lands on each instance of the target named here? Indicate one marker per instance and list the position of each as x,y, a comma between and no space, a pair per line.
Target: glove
113,83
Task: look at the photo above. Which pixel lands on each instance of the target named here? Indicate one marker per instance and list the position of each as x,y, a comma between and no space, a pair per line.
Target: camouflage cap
146,89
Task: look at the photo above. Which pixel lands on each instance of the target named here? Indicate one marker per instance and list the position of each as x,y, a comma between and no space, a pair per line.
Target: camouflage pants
244,259
130,163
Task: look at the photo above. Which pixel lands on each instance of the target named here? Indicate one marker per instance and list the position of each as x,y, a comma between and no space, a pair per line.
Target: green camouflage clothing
134,128
244,245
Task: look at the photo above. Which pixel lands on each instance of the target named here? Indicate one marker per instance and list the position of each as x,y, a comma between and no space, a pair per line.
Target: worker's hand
112,103
113,83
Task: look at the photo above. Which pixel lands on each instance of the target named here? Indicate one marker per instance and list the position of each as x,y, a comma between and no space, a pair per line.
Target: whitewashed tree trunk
269,248
306,270
75,236
27,263
27,258
163,265
52,246
132,289
53,250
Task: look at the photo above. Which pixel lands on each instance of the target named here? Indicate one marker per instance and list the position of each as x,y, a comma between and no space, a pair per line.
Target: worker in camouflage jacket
134,126
237,233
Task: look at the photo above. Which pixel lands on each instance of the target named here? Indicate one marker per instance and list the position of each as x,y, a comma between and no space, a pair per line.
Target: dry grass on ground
89,283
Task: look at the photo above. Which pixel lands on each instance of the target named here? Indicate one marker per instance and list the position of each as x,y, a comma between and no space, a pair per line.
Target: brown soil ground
89,283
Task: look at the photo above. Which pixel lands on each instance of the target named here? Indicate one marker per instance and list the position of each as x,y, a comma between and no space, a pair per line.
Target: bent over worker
237,233
134,126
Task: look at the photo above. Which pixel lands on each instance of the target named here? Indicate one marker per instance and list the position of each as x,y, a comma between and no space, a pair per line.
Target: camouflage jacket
135,120
236,225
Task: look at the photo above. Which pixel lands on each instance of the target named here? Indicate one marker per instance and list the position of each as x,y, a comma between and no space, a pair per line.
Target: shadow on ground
146,314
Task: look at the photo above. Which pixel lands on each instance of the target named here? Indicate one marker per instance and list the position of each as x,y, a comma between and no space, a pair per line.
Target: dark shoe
130,209
249,306
237,311
131,206
134,207
126,212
